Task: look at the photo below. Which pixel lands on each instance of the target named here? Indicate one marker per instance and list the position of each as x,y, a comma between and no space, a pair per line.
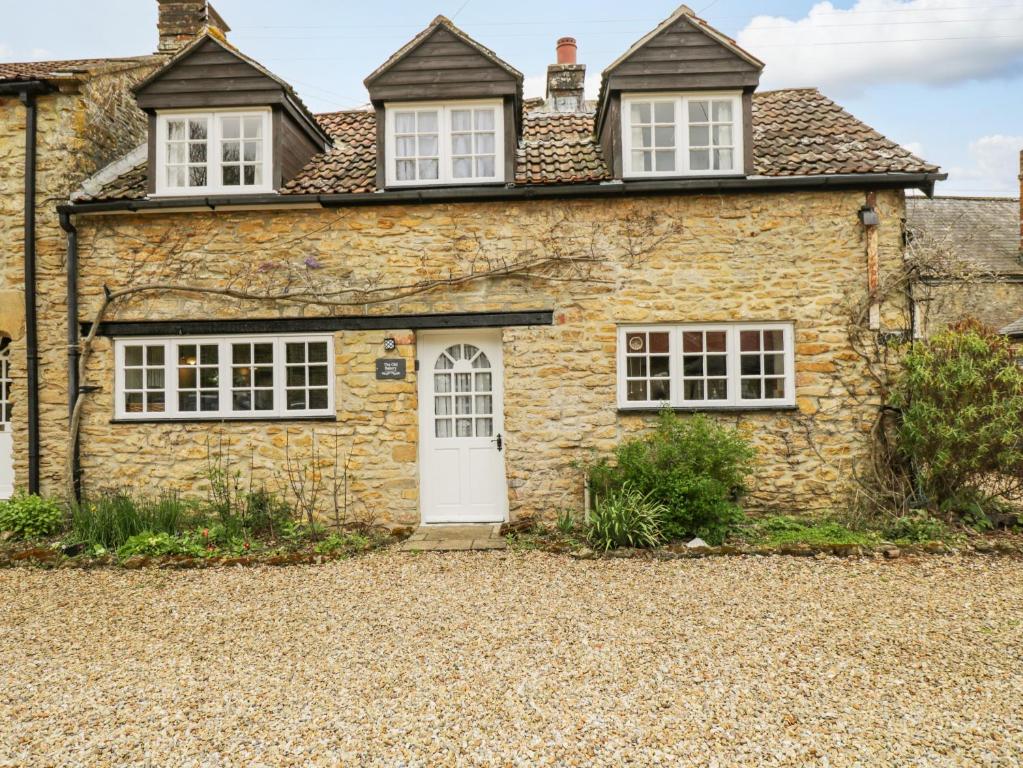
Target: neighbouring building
458,295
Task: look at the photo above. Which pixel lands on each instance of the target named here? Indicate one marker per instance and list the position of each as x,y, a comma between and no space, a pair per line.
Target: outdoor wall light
390,345
869,217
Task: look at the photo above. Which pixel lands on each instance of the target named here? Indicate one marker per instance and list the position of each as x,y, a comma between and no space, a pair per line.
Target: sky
942,77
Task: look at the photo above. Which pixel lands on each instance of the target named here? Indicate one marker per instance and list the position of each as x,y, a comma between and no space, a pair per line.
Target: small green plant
566,522
785,529
626,517
343,542
160,544
916,528
31,517
695,468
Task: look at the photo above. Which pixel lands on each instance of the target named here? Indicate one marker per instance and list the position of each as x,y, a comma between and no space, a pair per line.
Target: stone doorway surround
455,538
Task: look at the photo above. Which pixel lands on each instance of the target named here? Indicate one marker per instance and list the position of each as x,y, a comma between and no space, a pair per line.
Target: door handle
500,442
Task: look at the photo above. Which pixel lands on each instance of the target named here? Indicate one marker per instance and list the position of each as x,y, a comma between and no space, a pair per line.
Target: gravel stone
517,659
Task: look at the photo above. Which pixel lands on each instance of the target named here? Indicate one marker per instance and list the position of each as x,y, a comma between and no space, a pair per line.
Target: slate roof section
984,231
1014,329
796,133
63,70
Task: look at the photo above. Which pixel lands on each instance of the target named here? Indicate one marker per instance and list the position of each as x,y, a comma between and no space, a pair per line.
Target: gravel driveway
516,659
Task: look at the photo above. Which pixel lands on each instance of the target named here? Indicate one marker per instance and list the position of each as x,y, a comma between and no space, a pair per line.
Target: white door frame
6,434
488,450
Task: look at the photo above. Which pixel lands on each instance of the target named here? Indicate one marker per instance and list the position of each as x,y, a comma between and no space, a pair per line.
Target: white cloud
993,168
937,42
916,147
7,53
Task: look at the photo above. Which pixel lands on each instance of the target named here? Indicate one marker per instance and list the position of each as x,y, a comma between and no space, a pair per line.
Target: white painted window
726,365
682,135
454,143
222,152
224,378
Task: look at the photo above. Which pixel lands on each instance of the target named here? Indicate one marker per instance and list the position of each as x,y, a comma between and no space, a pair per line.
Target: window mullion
683,134
224,377
170,379
280,389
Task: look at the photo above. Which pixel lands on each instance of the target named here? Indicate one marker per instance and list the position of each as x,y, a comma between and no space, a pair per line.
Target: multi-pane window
653,136
216,378
463,387
198,378
144,378
307,375
213,152
417,145
455,143
706,366
5,383
682,134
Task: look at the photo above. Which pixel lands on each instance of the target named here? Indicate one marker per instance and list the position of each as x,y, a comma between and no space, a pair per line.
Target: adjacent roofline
75,69
477,194
208,34
687,13
95,183
438,23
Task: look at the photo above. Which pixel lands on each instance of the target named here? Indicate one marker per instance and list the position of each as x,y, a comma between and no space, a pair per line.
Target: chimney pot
181,21
567,49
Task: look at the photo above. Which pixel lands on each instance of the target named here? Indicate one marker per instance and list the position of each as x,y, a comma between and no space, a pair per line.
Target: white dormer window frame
214,152
681,137
444,143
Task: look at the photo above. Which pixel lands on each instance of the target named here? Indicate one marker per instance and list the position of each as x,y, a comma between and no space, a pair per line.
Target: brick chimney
566,80
180,21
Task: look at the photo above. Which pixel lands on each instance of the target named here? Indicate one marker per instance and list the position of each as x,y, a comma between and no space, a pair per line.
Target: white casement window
221,152
224,378
455,143
728,365
682,135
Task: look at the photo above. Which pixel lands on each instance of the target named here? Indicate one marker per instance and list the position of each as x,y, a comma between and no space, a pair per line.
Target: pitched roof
796,133
1013,329
63,70
687,13
982,232
438,23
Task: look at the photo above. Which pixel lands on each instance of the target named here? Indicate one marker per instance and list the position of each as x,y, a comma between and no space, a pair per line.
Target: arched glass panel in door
463,385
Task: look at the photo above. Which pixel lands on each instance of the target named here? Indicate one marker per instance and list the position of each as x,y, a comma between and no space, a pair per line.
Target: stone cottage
458,295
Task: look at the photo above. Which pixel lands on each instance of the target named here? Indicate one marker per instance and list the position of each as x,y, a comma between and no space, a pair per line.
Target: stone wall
796,257
995,302
82,126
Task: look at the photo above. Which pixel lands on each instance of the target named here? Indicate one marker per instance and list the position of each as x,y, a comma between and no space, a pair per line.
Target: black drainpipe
27,92
73,338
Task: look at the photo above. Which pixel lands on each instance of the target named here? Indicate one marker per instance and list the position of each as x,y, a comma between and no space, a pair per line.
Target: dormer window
682,134
451,143
221,152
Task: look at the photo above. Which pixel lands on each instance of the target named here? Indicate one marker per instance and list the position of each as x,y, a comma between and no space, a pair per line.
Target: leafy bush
30,517
343,542
695,468
626,517
160,544
961,397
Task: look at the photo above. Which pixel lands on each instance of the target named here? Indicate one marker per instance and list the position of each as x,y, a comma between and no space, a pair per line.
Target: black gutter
125,328
27,92
476,194
73,349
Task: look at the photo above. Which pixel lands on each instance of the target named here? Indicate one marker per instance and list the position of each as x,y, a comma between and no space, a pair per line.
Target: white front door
6,438
461,425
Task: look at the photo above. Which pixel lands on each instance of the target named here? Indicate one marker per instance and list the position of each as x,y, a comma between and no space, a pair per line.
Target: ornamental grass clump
960,394
693,468
625,517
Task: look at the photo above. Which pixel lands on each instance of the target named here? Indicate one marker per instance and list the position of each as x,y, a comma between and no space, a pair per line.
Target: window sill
393,185
227,419
682,176
624,409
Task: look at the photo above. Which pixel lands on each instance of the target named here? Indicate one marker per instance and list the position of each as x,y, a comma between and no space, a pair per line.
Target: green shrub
961,398
160,544
343,542
31,517
109,520
625,517
785,529
695,468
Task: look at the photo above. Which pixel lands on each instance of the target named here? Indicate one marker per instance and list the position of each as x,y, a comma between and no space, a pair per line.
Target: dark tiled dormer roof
978,232
795,133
